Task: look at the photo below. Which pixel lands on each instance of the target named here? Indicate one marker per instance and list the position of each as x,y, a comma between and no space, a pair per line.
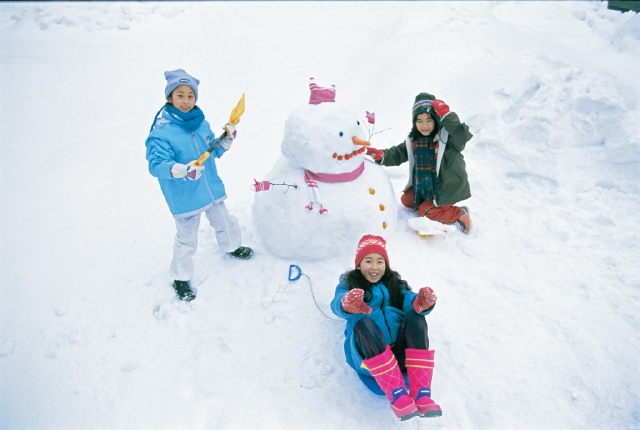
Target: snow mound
627,36
89,16
424,226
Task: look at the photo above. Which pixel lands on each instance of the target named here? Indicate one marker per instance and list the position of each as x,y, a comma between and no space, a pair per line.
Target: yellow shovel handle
200,161
234,118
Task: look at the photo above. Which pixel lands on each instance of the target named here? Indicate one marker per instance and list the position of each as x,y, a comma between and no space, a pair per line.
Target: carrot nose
357,141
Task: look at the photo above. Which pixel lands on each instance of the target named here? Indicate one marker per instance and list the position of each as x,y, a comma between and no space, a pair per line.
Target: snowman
324,193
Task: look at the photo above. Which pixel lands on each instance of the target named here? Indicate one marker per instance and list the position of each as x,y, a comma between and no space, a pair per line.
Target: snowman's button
381,207
384,225
372,191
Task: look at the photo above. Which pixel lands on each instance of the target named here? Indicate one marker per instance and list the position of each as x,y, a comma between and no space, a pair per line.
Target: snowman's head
320,138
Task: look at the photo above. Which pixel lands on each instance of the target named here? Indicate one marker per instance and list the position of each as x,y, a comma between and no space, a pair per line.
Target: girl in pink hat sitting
386,332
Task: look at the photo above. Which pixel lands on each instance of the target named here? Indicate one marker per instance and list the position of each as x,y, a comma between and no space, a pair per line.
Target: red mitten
440,107
424,300
376,154
353,302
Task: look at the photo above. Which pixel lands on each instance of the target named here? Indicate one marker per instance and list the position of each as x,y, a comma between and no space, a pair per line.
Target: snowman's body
353,196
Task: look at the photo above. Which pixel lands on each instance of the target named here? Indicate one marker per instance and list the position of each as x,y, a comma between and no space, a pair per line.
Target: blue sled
372,385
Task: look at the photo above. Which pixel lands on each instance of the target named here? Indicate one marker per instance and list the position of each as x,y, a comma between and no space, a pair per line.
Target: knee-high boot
419,363
384,368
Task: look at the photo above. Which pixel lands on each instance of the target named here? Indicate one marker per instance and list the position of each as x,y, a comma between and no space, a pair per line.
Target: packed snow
537,323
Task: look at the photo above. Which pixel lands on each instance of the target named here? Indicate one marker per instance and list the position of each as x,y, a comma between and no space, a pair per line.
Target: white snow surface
537,323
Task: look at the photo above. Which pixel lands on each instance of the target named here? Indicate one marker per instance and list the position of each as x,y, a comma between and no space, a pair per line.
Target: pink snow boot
419,364
384,368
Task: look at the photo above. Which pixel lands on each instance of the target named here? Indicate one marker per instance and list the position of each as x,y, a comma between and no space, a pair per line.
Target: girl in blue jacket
178,137
386,332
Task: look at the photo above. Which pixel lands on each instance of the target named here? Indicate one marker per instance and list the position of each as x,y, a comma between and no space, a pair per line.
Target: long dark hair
391,279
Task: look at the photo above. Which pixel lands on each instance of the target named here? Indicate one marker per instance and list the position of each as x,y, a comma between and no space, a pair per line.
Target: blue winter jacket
168,143
387,317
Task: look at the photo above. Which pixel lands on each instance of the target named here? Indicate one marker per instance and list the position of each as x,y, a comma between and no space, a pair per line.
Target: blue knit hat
178,77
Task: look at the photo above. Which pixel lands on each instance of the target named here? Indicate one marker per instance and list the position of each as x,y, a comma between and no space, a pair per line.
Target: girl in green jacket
437,171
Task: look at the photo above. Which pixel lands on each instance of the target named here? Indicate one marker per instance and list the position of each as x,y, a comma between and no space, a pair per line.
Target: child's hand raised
353,302
231,131
441,108
424,300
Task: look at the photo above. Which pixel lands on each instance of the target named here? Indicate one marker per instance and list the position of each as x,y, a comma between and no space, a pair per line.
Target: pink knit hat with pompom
368,244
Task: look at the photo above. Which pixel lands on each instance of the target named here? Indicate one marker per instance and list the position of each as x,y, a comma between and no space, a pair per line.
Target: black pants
413,333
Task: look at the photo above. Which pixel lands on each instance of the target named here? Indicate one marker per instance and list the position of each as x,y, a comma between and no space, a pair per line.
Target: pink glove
424,300
260,186
376,154
440,107
353,302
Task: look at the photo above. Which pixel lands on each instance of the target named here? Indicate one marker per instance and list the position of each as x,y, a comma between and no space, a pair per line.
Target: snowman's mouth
349,155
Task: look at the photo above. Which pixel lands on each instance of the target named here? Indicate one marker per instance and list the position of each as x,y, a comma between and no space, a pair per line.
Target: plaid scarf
425,179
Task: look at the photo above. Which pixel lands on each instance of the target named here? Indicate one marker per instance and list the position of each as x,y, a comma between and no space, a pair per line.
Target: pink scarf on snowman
314,192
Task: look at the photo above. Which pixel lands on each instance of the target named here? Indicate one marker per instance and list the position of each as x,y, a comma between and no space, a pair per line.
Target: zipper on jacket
384,314
184,189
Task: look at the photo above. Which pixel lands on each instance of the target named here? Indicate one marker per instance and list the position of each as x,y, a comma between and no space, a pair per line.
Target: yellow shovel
234,118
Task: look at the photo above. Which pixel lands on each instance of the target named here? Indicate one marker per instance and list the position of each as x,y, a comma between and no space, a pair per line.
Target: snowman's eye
358,122
341,134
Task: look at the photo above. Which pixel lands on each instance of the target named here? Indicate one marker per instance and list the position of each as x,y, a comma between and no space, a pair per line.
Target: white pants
186,241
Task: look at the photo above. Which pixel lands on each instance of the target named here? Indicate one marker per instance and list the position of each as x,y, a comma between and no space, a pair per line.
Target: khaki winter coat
453,184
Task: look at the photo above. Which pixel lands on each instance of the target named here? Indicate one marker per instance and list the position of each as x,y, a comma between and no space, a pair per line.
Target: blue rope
156,117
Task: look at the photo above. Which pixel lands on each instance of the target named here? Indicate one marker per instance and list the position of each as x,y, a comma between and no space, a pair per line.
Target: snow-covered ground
538,316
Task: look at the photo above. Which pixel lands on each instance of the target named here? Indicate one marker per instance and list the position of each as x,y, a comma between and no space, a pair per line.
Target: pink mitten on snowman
260,186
